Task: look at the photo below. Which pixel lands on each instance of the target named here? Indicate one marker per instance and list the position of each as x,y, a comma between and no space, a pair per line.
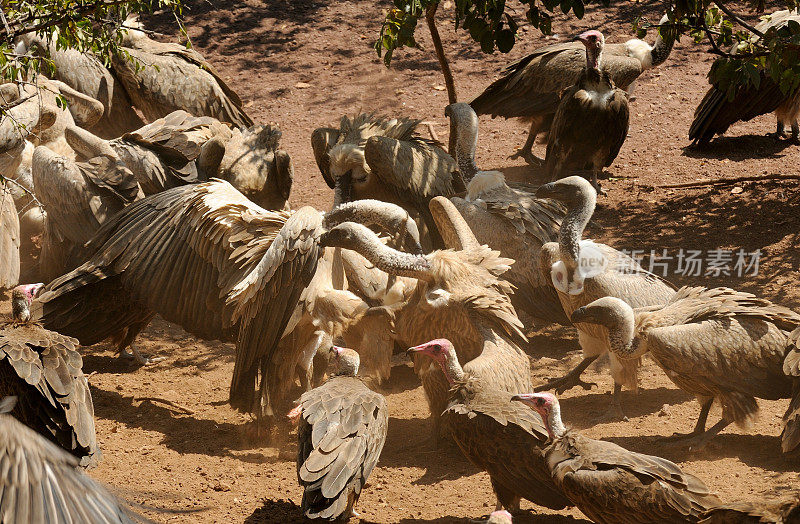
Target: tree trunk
430,17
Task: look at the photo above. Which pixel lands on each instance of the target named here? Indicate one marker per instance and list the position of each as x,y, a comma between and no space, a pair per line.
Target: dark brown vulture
716,344
531,88
716,112
208,259
612,485
502,438
761,512
43,484
43,370
591,122
342,429
620,277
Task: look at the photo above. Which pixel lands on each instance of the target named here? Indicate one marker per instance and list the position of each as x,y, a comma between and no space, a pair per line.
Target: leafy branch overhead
747,55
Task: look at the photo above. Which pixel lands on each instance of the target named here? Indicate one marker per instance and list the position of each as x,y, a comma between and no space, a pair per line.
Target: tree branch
729,181
430,17
738,20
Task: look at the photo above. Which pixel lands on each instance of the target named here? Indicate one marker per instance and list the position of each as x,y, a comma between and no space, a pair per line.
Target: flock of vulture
186,217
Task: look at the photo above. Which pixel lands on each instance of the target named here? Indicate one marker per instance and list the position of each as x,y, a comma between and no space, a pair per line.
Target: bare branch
733,16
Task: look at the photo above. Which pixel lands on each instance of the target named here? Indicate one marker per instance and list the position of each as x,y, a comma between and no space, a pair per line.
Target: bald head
344,361
21,298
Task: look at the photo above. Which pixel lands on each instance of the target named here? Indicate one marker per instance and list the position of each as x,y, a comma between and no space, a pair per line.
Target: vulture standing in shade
612,485
716,112
501,437
9,238
716,344
618,276
183,149
531,88
43,370
786,512
173,77
85,73
78,197
591,122
382,159
208,259
43,484
342,429
509,219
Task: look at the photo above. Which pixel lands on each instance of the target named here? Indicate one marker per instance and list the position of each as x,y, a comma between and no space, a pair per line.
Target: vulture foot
139,358
677,437
528,156
570,380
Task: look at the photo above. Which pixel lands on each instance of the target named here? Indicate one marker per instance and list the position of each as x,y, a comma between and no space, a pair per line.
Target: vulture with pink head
43,370
341,433
501,437
612,485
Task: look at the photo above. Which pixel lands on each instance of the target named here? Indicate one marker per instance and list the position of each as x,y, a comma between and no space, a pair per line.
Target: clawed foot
677,437
564,383
528,156
139,358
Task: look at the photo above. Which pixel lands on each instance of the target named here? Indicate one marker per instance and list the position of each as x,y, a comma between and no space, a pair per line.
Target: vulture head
499,517
443,352
21,298
546,405
464,126
618,317
345,361
594,42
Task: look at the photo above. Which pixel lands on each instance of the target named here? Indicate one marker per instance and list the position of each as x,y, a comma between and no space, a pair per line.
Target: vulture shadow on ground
739,148
402,378
276,511
408,445
760,451
181,432
524,173
523,517
584,407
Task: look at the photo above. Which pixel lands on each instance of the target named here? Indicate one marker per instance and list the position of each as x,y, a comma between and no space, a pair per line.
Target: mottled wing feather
9,239
790,436
322,140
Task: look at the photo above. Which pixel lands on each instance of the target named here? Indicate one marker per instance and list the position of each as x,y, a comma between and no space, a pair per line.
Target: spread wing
42,483
322,140
9,239
341,436
53,393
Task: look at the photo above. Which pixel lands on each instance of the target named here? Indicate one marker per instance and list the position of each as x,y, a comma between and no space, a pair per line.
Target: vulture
592,104
43,370
509,219
340,435
785,512
716,344
208,259
384,159
531,88
9,238
717,112
183,149
162,77
44,484
85,73
78,197
612,485
616,275
22,118
501,437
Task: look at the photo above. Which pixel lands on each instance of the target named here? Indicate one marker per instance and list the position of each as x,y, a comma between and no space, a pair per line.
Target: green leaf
505,40
487,42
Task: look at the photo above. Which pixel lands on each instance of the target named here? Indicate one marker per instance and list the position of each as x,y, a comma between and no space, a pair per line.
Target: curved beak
417,349
580,315
525,398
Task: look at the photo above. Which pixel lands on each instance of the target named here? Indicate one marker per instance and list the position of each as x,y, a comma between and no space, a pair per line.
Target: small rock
221,486
439,87
302,85
664,411
736,190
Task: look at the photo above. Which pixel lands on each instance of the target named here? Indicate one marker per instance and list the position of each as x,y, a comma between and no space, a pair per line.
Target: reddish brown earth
196,466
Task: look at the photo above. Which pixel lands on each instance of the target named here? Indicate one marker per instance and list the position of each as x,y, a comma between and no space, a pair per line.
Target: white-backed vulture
162,77
501,437
9,238
531,87
182,149
620,276
340,436
612,485
210,260
717,111
384,159
43,370
78,197
593,103
23,117
509,219
44,484
86,74
716,344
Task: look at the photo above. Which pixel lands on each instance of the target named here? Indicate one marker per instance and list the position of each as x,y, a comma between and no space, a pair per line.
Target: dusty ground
195,466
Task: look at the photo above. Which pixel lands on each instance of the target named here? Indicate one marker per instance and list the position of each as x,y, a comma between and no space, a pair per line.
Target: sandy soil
194,465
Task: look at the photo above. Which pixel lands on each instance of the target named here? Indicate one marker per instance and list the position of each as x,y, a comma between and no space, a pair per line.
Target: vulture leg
571,379
700,441
526,151
131,332
779,131
699,428
795,133
615,411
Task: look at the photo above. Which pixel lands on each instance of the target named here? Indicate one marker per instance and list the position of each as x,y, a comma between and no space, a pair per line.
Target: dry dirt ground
194,465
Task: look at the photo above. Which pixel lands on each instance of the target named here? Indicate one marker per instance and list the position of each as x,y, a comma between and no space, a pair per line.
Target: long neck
466,143
555,427
452,368
661,48
571,232
594,59
621,335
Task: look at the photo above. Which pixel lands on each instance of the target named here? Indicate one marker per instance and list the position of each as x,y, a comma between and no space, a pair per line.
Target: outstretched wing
322,140
54,395
42,483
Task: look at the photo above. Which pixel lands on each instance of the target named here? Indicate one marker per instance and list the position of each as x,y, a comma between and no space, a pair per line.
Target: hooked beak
525,398
417,349
580,315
